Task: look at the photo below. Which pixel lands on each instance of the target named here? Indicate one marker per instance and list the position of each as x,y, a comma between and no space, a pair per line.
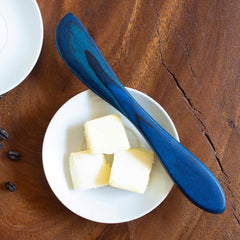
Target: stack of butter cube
130,169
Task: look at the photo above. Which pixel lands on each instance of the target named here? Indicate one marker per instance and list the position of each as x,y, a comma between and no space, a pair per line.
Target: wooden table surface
182,53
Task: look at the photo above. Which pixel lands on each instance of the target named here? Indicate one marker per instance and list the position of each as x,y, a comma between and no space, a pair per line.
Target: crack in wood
230,190
203,129
193,74
238,221
187,52
235,214
185,48
193,109
198,115
186,98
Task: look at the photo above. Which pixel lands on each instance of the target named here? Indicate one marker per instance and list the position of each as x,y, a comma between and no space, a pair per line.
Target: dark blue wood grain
82,56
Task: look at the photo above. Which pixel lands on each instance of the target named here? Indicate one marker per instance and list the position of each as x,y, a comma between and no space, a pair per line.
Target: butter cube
88,171
106,135
131,170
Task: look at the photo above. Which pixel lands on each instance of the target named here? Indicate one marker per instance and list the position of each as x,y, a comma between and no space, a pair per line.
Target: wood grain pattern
182,53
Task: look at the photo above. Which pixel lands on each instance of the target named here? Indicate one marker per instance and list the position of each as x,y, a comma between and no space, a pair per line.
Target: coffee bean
13,155
3,134
10,186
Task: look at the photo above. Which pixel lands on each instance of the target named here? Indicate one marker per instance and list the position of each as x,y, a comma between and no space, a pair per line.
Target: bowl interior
65,134
21,31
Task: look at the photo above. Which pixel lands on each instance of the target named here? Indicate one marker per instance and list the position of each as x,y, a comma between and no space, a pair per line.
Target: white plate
21,37
65,134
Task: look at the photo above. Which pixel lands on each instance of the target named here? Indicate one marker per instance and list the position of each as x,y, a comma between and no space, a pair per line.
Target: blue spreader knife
85,60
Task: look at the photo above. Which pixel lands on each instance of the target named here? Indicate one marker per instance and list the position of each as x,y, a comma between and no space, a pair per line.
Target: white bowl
65,134
21,37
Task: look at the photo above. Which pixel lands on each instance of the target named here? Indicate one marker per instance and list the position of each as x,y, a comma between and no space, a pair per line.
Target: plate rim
88,218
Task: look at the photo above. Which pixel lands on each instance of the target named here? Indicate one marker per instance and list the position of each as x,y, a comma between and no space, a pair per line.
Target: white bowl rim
38,51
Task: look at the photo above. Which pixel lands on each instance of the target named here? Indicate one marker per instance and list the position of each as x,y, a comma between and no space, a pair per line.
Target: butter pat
131,170
88,171
106,135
